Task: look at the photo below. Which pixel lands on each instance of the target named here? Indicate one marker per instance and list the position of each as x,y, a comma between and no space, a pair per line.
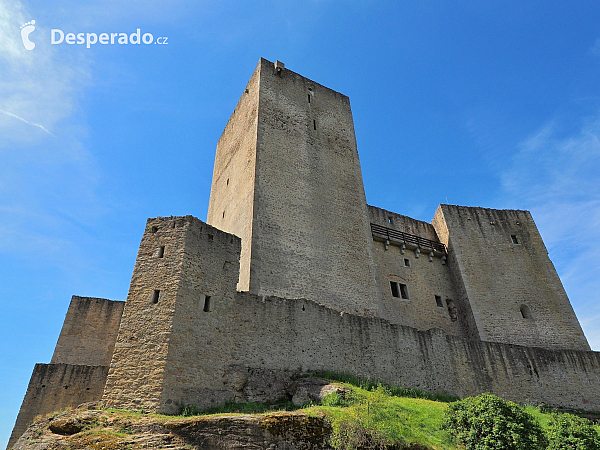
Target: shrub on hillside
570,432
487,422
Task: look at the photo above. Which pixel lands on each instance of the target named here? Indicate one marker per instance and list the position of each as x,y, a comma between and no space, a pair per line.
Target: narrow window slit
155,296
206,303
314,124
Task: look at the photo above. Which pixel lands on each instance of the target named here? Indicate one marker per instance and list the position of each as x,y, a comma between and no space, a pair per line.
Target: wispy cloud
38,88
47,172
557,177
26,121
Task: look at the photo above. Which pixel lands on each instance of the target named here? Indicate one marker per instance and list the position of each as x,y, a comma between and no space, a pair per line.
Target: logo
58,36
26,30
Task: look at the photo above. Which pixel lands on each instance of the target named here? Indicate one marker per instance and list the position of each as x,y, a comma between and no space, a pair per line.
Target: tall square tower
287,181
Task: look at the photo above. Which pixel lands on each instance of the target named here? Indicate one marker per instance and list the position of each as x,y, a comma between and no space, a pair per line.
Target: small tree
570,432
487,422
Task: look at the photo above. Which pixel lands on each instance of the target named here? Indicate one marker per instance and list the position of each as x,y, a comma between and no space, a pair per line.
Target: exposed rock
85,429
74,423
313,390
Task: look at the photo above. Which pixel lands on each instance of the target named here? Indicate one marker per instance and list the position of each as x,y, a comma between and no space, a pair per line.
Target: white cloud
558,179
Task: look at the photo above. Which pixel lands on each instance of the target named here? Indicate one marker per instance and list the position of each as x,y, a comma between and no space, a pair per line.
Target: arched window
526,312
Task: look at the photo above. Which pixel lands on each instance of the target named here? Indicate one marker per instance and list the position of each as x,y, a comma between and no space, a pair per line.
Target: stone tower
506,286
287,181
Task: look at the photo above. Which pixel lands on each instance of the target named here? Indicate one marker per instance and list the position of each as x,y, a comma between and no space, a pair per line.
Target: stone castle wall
232,194
310,230
56,386
506,281
429,284
210,353
89,332
137,368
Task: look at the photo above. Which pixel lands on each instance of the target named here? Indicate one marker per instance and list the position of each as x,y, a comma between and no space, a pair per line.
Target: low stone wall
56,386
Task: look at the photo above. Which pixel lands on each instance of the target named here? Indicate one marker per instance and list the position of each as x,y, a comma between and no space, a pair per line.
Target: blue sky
493,104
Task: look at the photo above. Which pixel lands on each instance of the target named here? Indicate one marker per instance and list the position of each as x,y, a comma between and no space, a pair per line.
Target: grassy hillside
359,415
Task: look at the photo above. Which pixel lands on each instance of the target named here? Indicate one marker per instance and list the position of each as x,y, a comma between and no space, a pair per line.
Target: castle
293,272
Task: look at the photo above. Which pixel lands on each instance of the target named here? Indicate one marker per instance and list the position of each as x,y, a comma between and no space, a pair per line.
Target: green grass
369,385
375,415
385,418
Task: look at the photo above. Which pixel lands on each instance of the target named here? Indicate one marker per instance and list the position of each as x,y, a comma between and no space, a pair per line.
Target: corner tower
287,181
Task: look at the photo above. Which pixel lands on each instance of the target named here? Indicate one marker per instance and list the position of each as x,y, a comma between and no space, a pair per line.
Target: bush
487,422
567,431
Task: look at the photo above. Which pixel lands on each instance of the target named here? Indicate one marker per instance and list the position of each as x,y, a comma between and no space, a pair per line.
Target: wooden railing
397,236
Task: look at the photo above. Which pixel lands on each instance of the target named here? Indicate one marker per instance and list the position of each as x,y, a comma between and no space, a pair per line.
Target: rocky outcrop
84,428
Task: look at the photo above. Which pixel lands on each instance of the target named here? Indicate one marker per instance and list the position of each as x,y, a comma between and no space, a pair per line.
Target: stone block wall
254,334
295,194
185,271
89,332
231,206
135,379
506,279
56,386
431,295
202,355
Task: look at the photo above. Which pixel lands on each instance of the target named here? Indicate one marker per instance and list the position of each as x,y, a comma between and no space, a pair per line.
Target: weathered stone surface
287,180
74,423
313,390
113,430
58,386
89,333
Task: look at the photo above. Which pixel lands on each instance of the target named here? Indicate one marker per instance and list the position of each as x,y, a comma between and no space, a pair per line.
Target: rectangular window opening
390,220
394,286
438,301
513,238
406,262
155,296
161,252
206,303
403,291
315,124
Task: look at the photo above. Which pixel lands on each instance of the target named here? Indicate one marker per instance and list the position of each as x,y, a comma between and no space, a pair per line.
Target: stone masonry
295,273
